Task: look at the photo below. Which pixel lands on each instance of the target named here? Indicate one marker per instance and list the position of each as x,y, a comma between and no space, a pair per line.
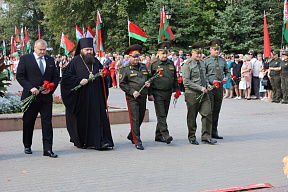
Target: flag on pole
99,41
27,42
22,41
13,46
39,33
91,34
164,29
79,33
4,47
135,32
84,35
17,37
267,48
66,44
285,30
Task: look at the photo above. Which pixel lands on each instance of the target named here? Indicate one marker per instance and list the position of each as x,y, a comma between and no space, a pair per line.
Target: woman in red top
112,71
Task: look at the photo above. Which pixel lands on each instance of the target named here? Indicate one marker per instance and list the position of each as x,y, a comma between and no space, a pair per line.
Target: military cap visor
134,50
275,52
163,46
215,43
198,47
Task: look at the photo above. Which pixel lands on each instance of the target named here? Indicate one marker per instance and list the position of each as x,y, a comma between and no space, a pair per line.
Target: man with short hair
132,77
126,60
33,70
161,89
86,116
216,68
196,83
181,55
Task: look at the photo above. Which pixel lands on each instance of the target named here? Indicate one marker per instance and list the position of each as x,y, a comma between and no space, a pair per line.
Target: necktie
201,75
41,66
218,72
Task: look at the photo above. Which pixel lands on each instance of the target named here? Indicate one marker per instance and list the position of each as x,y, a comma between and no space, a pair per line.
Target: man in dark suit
32,70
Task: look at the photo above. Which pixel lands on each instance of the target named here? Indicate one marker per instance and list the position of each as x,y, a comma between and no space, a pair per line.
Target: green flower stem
90,79
150,80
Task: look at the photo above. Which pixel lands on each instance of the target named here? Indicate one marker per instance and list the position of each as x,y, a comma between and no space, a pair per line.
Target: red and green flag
4,47
79,33
39,32
285,30
27,42
135,32
98,37
164,29
267,48
66,44
13,46
17,37
22,41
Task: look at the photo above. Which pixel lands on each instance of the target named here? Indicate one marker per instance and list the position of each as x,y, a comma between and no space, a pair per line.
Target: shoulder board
153,61
188,61
206,58
125,66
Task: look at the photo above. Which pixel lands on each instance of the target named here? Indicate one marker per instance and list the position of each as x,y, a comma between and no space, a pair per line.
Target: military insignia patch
120,76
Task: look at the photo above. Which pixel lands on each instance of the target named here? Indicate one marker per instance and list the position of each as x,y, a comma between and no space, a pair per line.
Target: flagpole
128,32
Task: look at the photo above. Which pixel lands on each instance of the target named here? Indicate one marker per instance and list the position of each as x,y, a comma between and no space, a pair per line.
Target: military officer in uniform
161,89
284,77
132,77
196,83
274,74
216,68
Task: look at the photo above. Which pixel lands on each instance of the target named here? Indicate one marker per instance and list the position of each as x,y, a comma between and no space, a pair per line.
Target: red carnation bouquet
102,73
233,78
176,96
157,74
215,85
27,102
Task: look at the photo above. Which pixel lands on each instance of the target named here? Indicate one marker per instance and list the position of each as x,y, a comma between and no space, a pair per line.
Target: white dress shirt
42,59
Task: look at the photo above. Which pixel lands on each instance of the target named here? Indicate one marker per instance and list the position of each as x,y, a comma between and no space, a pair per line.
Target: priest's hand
147,84
34,91
136,94
204,90
83,81
150,98
46,91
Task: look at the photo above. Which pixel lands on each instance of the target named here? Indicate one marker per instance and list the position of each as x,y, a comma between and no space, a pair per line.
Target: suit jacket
29,75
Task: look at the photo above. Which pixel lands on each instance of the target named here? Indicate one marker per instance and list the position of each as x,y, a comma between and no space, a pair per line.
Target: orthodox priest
86,116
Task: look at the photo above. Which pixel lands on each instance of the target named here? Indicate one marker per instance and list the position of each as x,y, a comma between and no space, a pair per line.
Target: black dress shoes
131,139
216,136
104,146
194,142
160,139
140,147
28,150
209,141
50,154
169,139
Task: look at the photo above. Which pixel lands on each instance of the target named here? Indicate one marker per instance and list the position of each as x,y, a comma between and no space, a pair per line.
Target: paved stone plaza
255,142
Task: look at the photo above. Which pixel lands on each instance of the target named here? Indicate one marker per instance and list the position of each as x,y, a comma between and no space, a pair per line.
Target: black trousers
29,117
136,109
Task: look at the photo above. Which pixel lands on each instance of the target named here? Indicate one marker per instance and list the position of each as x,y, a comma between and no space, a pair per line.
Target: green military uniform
216,68
275,78
161,89
194,79
284,79
132,78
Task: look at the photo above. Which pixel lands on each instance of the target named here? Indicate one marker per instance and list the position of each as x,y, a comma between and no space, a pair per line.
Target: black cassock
86,116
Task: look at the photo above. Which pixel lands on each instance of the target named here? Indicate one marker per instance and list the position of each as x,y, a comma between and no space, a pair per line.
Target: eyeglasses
187,55
250,54
232,56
